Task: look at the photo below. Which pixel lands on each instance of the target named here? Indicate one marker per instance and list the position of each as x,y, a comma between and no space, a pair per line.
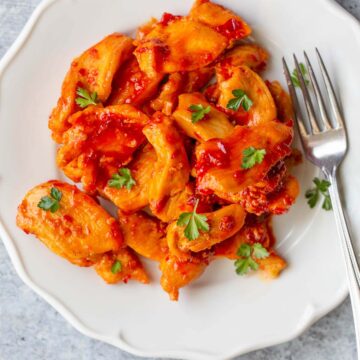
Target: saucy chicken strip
219,161
122,265
69,222
99,142
92,71
259,231
179,273
222,20
171,170
133,86
223,223
141,169
282,101
176,44
179,83
242,78
144,234
251,55
214,124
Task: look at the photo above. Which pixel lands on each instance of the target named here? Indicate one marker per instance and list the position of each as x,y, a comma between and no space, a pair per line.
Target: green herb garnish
247,252
240,99
198,112
321,189
121,179
51,203
252,156
193,222
85,99
116,267
295,78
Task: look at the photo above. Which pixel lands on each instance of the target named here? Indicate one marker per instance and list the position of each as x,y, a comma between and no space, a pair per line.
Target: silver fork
325,145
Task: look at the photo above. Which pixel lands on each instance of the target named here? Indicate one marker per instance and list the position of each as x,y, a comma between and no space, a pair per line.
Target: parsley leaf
240,99
252,156
247,252
321,188
198,112
193,222
244,250
295,78
121,179
56,193
85,99
242,266
51,202
116,267
259,252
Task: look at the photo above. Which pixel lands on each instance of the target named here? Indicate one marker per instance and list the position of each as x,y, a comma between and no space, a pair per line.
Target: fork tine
330,91
319,98
307,99
298,115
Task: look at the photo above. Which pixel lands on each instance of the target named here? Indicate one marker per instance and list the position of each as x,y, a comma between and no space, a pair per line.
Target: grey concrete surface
30,329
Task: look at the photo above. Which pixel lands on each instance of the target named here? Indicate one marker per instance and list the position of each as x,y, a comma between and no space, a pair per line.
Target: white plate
221,315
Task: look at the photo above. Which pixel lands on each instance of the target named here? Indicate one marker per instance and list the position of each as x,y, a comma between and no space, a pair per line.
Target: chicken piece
251,55
268,199
177,274
128,268
258,230
263,108
285,111
255,230
176,204
212,93
167,99
144,29
132,86
179,83
220,19
223,224
214,124
171,170
218,165
141,169
144,234
80,230
99,142
178,44
93,71
272,266
280,201
195,80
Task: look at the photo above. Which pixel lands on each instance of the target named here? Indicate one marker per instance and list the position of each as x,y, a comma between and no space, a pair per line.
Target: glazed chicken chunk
80,230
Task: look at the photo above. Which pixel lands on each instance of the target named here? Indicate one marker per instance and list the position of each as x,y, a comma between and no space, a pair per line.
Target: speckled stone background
32,330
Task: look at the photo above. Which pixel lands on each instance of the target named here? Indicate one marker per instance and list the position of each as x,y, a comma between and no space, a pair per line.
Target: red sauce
90,76
212,93
239,176
116,233
68,218
161,52
233,29
256,234
94,52
172,138
240,117
101,155
167,18
159,205
217,157
227,223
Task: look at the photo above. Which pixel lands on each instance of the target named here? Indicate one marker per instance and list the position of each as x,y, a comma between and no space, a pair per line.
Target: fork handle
351,263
